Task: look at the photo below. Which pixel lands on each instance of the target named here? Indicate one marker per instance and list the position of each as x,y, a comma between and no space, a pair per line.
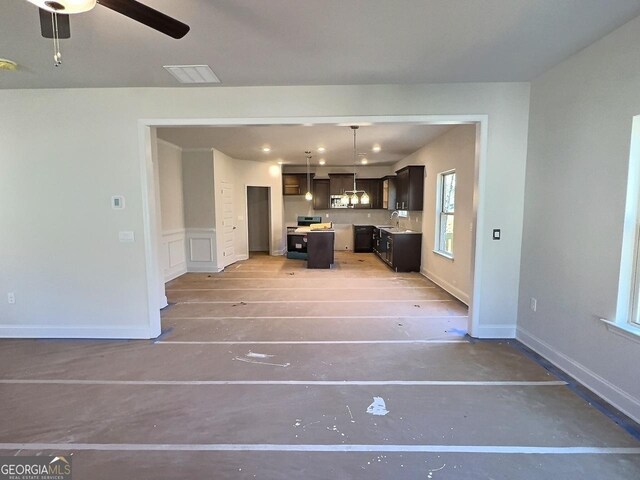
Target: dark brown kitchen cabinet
294,183
321,194
373,187
400,251
388,193
340,182
410,188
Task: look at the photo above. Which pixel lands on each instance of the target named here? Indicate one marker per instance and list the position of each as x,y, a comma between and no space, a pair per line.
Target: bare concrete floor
267,371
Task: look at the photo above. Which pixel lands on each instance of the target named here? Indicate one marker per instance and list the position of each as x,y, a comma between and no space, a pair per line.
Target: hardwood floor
272,371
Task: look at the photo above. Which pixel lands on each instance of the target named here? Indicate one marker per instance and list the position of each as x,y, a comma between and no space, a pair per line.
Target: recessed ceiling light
266,149
192,73
322,162
364,161
6,64
376,148
321,149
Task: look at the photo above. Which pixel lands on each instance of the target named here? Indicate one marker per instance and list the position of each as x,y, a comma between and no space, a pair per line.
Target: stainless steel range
297,237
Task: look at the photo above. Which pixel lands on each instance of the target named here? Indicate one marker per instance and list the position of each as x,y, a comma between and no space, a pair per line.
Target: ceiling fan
54,17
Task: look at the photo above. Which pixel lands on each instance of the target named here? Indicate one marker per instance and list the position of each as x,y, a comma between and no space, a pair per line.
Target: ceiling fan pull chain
57,56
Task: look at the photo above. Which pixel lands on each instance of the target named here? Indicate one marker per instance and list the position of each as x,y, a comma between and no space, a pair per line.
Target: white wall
171,197
454,149
199,202
241,174
80,164
199,210
581,114
173,252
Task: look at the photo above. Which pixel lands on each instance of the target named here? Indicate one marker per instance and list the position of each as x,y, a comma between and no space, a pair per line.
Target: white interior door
228,225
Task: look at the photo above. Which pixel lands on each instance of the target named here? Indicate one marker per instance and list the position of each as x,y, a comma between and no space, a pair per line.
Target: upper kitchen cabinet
373,187
388,192
294,183
340,182
321,194
410,188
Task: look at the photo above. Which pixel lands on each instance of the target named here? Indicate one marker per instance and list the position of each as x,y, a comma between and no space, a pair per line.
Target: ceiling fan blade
148,16
46,27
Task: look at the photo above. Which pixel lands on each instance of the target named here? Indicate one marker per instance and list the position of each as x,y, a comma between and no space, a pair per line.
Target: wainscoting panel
174,259
201,250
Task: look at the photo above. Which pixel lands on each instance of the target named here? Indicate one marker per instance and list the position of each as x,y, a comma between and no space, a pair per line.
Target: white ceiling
312,42
288,143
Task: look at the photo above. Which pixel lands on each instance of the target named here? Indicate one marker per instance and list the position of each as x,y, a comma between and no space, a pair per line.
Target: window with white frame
635,294
445,202
627,318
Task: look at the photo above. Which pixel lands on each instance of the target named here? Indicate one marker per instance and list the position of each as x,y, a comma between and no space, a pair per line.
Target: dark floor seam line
622,420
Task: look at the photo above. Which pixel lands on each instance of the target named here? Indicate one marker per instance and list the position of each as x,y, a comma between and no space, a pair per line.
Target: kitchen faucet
397,214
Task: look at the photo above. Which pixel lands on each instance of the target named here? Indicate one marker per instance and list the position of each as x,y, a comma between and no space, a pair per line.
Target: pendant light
351,196
308,196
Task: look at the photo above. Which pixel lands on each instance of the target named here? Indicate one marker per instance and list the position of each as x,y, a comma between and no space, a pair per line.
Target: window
445,214
627,316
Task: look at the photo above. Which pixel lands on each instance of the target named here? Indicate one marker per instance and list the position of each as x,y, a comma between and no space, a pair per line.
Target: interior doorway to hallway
258,219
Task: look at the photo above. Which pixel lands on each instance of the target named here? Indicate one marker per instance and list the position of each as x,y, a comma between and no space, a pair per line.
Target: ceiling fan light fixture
67,7
6,64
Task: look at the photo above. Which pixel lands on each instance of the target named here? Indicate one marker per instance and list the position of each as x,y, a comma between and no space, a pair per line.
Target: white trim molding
626,330
495,331
174,251
77,331
452,289
201,250
617,397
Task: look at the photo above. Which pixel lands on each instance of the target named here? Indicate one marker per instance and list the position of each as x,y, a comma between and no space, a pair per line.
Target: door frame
147,147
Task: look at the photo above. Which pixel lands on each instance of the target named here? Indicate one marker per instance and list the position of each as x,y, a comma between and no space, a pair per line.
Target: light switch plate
126,237
117,202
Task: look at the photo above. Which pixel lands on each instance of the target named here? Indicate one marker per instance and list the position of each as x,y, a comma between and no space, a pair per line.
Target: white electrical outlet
11,297
533,304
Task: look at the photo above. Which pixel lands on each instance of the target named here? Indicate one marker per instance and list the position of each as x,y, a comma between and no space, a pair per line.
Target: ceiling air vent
192,73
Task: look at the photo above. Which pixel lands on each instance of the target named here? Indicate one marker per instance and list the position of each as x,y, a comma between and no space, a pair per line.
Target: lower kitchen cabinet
401,251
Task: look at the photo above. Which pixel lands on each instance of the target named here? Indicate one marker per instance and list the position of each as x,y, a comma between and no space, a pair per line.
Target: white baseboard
204,269
496,331
617,397
278,253
45,331
452,289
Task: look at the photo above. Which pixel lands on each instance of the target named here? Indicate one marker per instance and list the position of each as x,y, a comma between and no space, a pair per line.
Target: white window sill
625,330
444,254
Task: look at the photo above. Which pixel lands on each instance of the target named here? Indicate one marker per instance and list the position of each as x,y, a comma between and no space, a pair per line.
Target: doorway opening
258,220
277,218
